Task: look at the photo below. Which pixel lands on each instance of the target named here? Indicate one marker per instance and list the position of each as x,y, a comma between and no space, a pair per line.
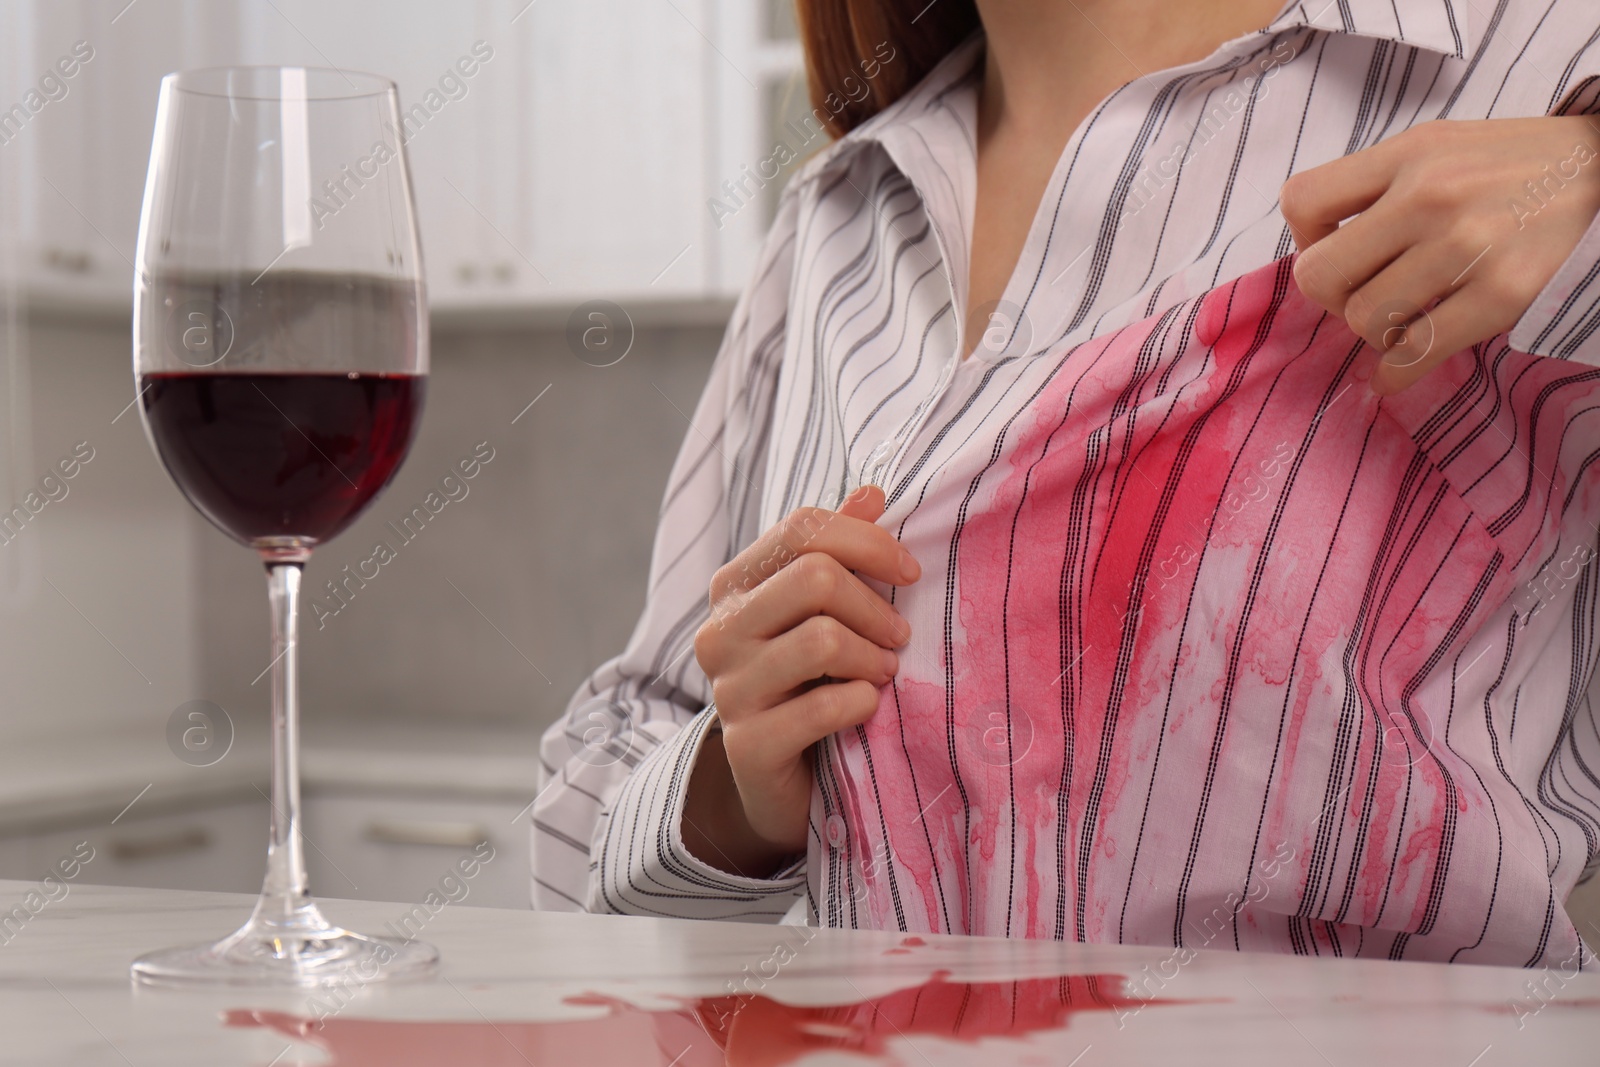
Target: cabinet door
474,177
764,130
403,847
86,80
620,131
457,69
68,247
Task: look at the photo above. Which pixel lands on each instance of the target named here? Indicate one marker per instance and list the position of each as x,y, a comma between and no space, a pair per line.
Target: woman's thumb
865,502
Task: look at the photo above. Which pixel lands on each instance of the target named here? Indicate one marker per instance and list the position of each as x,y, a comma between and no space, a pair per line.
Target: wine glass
281,353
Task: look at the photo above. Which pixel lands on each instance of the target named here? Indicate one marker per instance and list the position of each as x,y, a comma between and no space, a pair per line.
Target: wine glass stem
285,896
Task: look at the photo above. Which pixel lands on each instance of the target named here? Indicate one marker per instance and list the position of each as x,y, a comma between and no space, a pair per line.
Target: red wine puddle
905,946
741,1030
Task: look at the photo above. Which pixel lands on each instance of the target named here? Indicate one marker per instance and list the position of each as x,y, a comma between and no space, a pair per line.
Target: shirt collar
1451,27
960,64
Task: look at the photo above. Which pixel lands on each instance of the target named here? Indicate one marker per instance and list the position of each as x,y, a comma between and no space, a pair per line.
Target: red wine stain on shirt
743,1030
1175,591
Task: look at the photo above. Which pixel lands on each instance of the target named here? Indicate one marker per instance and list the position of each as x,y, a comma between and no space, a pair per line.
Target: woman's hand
1458,226
796,649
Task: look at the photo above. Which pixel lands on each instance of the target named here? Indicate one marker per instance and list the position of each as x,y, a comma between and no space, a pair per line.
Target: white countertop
520,988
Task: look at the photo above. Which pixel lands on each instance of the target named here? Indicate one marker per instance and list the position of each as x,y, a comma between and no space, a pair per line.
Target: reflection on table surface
742,1030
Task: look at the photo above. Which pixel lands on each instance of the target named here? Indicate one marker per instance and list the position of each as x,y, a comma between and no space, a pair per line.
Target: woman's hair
885,45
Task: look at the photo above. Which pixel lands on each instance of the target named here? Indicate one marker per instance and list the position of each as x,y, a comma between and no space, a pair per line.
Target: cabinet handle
177,843
68,262
444,834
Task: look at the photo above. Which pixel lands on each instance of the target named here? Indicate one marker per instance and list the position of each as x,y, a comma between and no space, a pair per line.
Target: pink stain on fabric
1203,586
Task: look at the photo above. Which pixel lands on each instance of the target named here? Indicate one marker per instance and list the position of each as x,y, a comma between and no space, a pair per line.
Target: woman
1075,569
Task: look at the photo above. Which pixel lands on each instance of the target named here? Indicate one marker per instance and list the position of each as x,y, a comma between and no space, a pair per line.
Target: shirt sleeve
1564,318
642,865
615,767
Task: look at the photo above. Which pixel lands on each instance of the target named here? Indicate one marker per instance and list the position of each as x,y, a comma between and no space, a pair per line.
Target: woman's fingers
1442,236
866,502
778,736
780,667
1334,269
1401,313
816,584
1315,201
855,542
1457,322
786,612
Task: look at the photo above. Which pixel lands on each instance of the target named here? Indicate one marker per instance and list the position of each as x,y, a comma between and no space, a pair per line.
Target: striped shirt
1213,647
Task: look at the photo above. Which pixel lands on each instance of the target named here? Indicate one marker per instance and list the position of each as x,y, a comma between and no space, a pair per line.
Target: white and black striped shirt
1212,646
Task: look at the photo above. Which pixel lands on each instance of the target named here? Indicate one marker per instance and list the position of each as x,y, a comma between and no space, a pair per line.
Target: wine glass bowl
280,358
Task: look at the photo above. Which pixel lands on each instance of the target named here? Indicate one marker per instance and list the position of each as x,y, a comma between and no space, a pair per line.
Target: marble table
523,988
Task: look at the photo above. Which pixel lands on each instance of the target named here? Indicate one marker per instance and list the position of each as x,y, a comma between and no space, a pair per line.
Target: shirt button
878,462
835,832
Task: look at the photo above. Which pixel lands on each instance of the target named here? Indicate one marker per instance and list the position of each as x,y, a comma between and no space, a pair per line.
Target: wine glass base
296,955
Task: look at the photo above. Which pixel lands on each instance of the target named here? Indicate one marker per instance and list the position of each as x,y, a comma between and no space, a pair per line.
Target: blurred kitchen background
600,150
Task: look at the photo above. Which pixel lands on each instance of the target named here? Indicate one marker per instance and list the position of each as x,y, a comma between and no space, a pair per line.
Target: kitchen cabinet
397,845
401,846
621,117
79,90
560,152
462,75
390,811
220,847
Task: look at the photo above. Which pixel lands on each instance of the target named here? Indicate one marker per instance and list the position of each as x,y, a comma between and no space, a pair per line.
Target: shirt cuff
1563,319
641,866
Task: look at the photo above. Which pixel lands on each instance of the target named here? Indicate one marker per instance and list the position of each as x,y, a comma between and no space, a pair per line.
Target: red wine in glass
285,455
267,456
